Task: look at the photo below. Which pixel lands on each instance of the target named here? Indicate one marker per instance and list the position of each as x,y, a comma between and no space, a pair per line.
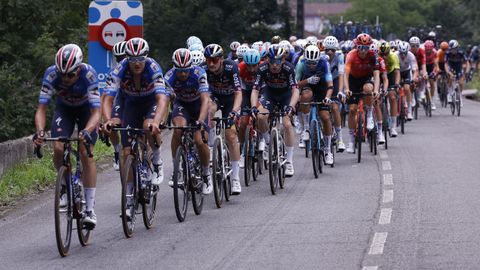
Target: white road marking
378,243
385,216
387,195
388,179
370,268
386,166
383,155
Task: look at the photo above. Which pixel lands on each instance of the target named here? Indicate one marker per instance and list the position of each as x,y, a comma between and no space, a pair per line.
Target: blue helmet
276,52
213,50
251,57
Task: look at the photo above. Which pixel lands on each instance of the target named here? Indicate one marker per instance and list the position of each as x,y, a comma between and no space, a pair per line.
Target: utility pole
300,18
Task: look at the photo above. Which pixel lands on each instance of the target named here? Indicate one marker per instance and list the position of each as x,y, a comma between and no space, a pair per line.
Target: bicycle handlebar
38,152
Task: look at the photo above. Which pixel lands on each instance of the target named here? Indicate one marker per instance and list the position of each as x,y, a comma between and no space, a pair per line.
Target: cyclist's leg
244,116
392,99
304,110
212,109
368,89
327,125
231,137
335,110
62,125
262,123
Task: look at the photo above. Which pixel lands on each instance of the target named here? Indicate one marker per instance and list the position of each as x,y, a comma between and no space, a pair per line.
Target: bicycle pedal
88,226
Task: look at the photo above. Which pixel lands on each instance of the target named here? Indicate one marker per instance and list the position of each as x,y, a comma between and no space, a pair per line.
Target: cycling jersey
151,82
337,65
83,91
322,70
392,62
226,82
455,60
247,80
361,67
189,90
276,83
382,67
441,56
408,62
420,56
431,57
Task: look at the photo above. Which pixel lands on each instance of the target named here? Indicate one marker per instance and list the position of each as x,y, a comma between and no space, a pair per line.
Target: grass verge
34,175
475,84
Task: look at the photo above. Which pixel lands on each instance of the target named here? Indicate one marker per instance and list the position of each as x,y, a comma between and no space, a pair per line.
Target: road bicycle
221,166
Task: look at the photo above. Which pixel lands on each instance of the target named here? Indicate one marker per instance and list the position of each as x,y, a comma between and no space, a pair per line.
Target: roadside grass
475,84
34,175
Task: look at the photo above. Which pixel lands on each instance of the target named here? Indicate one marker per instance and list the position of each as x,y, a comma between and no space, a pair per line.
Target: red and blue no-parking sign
110,22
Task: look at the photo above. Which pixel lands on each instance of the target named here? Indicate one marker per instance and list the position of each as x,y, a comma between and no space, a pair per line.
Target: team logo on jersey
51,77
58,120
91,77
154,67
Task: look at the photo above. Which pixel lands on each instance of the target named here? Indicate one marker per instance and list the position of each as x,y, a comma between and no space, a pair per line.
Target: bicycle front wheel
149,205
180,184
218,172
315,148
63,215
359,137
273,161
247,158
129,196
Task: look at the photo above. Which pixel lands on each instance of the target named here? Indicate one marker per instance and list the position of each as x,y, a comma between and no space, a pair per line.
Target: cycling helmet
213,50
312,53
193,40
119,48
301,43
330,42
276,39
68,58
403,47
197,57
444,45
196,47
292,39
312,39
234,45
257,45
432,34
182,58
373,47
414,41
363,39
452,44
137,47
384,47
276,52
242,49
429,45
393,44
251,57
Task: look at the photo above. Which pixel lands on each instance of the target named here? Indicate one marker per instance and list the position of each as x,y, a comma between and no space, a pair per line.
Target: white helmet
373,47
403,47
197,58
234,45
192,40
137,47
68,58
241,50
312,53
196,47
257,45
330,42
292,39
414,41
119,48
312,39
182,58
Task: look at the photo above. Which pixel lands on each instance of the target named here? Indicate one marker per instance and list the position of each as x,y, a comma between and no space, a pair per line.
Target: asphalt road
413,206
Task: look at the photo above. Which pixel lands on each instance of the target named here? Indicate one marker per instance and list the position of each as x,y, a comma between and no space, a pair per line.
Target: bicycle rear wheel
63,215
218,172
227,181
314,140
254,166
82,231
149,205
180,184
247,158
457,103
452,104
129,197
273,161
359,136
282,156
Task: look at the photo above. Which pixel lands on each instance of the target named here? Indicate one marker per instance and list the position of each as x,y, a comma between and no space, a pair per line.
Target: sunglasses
363,48
403,53
329,50
415,46
183,70
137,59
276,61
71,74
311,63
213,60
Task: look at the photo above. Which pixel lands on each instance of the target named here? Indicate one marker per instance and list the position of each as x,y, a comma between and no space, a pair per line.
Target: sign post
110,22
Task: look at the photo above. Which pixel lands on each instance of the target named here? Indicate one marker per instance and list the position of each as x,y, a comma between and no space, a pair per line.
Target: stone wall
14,151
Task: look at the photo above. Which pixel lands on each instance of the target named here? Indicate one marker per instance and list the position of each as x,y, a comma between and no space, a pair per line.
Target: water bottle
76,185
143,175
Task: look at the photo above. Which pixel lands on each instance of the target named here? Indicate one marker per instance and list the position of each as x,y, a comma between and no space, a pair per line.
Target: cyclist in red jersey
361,64
432,68
421,62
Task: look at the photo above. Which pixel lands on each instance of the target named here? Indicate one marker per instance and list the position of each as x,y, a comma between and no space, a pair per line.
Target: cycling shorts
269,101
190,111
406,77
356,86
65,118
224,103
135,113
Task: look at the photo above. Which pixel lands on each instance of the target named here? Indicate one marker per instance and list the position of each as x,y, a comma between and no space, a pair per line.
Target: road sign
110,22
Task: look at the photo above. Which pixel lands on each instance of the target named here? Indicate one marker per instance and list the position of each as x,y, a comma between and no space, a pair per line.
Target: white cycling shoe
236,187
289,171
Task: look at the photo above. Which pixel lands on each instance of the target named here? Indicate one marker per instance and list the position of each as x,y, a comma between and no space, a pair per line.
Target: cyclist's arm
204,98
341,72
299,73
94,120
397,76
347,74
40,117
376,81
385,81
237,102
294,87
256,89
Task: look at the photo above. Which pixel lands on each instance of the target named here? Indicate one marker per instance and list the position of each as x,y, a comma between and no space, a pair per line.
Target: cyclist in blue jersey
226,95
189,85
77,103
118,52
138,81
315,79
232,55
280,90
455,62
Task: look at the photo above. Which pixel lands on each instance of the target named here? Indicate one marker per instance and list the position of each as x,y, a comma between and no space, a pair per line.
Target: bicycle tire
227,185
218,173
254,166
128,224
402,117
63,241
197,196
458,104
273,161
181,184
375,142
149,207
315,150
247,170
281,169
359,136
452,104
82,232
332,150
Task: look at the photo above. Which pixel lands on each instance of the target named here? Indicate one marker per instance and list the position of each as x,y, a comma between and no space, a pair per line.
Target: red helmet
429,45
363,39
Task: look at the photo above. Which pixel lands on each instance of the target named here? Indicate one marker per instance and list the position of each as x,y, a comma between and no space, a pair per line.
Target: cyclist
408,72
280,90
139,80
240,52
198,59
384,82
232,55
118,52
392,63
189,85
247,71
432,68
77,102
315,80
337,68
455,60
474,58
441,55
226,95
360,65
421,81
